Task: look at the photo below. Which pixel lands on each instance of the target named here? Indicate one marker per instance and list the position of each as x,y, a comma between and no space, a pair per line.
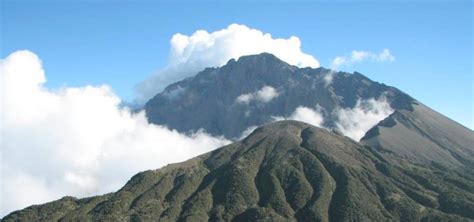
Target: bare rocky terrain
208,100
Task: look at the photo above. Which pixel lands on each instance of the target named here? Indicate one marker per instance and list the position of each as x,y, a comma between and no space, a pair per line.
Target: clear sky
120,43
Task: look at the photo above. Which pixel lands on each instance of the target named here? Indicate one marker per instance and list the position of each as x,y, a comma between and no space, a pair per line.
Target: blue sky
121,43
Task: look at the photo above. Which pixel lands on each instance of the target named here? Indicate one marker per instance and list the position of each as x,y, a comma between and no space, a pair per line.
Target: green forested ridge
284,171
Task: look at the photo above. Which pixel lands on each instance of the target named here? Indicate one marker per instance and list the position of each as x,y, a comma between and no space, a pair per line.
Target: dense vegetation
285,171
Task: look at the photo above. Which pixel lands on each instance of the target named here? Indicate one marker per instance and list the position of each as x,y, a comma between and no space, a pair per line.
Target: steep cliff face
229,99
284,171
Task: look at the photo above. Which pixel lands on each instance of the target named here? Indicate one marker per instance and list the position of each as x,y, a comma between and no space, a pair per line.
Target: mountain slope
284,171
423,136
209,100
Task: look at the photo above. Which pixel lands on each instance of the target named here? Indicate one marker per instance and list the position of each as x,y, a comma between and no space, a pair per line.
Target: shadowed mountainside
208,100
284,171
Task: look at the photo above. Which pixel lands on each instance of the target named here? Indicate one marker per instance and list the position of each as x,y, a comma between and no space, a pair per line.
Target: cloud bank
191,54
355,122
75,141
265,95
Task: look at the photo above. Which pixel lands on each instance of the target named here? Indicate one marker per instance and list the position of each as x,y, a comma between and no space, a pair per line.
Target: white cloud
191,54
355,122
328,77
355,57
358,56
265,95
305,114
247,132
308,115
75,141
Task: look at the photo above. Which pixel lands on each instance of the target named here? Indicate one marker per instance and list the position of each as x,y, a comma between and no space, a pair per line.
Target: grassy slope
285,171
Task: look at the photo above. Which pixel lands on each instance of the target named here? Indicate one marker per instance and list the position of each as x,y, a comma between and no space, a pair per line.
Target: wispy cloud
359,56
265,94
305,114
356,57
356,121
352,122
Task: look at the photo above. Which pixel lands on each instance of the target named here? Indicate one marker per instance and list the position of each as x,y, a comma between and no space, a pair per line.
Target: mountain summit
284,171
254,89
414,165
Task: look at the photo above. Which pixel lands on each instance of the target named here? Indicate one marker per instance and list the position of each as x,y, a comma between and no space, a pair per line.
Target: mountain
209,100
414,165
423,136
283,171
